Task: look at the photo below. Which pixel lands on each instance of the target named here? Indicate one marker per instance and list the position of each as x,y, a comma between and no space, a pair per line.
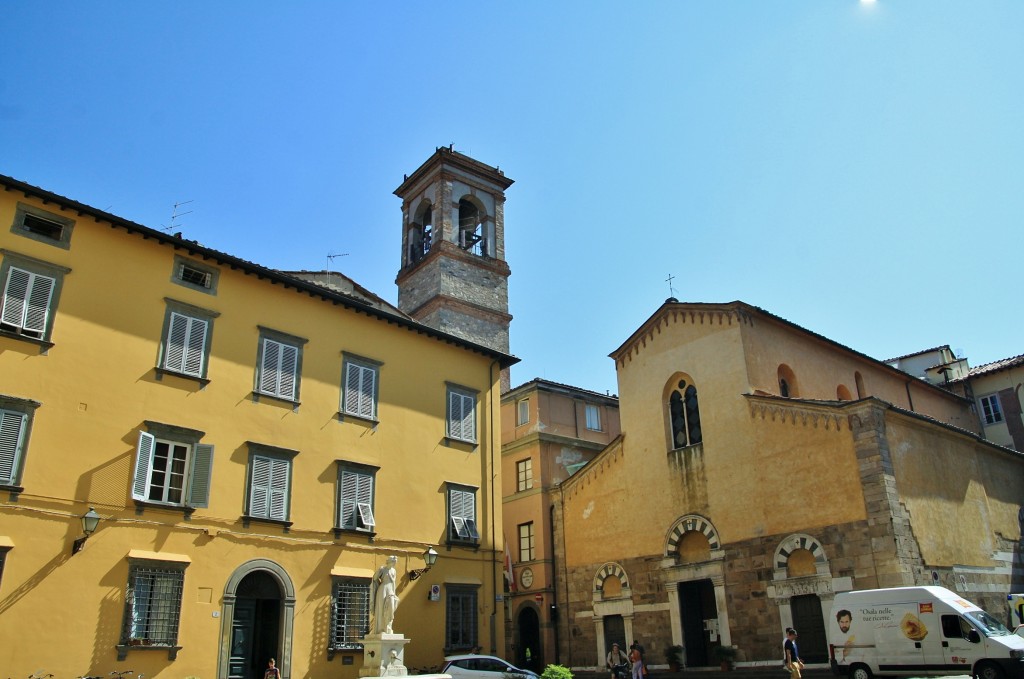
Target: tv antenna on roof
175,215
330,258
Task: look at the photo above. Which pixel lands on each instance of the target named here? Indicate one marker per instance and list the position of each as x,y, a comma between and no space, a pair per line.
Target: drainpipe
553,612
494,535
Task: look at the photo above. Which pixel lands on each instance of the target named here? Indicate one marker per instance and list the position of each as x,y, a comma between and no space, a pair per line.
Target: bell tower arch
454,276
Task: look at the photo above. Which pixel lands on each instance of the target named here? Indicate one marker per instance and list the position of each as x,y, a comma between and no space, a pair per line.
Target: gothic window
471,228
684,415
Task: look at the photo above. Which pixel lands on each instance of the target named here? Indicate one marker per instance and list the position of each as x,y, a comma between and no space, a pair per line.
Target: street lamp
90,520
430,558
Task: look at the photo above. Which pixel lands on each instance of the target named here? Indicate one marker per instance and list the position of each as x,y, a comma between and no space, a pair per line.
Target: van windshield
988,625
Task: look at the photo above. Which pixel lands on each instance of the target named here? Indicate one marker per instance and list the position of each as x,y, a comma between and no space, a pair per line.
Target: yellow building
255,446
762,468
548,432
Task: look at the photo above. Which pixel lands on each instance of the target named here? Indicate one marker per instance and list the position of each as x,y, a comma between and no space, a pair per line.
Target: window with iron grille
350,613
195,275
152,605
460,618
524,474
359,387
31,289
526,542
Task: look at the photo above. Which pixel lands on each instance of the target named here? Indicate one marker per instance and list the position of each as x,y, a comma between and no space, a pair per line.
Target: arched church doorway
256,628
809,624
699,615
528,627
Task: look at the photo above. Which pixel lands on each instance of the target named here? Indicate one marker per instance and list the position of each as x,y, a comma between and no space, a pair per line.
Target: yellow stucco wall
960,493
97,386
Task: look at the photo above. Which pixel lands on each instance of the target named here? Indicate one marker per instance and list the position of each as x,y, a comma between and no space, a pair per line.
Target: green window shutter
143,463
12,435
199,478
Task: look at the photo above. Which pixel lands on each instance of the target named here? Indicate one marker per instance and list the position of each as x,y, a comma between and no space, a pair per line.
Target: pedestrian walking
793,662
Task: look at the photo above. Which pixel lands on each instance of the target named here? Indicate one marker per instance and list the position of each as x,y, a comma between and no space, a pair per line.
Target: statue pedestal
384,655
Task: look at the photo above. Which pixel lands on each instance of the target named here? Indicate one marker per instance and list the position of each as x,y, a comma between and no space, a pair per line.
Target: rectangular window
269,487
462,515
185,349
13,428
172,467
522,412
195,275
461,414
152,608
593,418
40,225
460,618
350,614
355,497
524,474
991,411
279,365
359,387
526,542
31,289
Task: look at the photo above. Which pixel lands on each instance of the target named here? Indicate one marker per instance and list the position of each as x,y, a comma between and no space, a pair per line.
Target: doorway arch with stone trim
693,553
287,615
611,596
800,568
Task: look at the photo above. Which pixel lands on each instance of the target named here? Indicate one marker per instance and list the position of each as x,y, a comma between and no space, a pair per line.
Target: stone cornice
669,314
453,251
543,437
826,415
462,306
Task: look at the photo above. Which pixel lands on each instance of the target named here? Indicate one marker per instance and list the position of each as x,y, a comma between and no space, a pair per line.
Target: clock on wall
526,578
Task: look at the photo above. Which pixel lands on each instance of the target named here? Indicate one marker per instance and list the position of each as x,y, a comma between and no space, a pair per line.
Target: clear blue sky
855,169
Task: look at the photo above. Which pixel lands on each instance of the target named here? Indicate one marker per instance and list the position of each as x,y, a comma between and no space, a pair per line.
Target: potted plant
674,657
725,655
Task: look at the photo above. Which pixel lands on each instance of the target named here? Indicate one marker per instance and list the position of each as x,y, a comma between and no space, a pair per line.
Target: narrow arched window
788,387
684,415
471,231
420,233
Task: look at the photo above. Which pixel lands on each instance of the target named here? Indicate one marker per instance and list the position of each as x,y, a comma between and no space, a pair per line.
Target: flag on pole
508,569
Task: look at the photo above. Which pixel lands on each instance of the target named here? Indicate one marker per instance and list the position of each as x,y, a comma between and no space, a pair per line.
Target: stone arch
686,524
284,582
843,393
858,380
795,542
609,569
420,234
475,226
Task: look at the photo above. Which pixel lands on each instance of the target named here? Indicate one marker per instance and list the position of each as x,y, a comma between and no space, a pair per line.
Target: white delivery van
920,632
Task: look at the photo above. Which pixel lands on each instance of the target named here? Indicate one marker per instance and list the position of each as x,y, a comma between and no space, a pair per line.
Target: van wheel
988,670
864,672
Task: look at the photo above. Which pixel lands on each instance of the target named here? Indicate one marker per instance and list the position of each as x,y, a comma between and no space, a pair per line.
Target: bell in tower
454,276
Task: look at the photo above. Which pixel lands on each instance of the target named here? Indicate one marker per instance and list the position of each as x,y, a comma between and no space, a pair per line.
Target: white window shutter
259,490
199,478
177,333
195,345
349,499
37,304
270,367
12,434
289,369
468,425
367,387
143,463
279,490
455,415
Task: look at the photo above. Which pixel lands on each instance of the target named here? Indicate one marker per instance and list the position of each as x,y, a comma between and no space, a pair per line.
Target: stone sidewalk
739,672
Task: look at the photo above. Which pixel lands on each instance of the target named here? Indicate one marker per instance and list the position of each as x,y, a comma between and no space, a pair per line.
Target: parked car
482,667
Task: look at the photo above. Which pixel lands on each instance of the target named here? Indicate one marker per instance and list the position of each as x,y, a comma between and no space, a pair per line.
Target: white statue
385,598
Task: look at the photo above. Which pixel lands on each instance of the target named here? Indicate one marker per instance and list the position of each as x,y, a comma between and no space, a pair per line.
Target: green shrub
556,672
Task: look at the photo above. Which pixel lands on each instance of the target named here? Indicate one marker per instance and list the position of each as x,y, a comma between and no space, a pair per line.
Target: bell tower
454,276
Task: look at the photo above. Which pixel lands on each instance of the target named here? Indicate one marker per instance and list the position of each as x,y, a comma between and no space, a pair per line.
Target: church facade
761,469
